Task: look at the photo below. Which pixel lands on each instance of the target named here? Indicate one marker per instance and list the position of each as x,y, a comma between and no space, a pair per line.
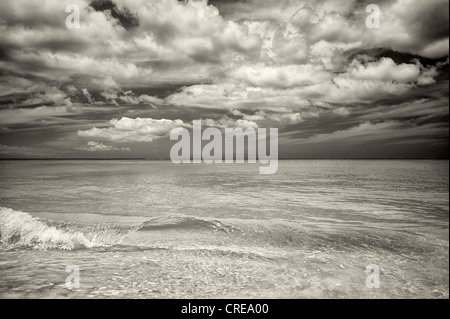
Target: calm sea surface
153,229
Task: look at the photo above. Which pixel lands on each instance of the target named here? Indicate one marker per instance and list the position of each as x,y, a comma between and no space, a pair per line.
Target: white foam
19,229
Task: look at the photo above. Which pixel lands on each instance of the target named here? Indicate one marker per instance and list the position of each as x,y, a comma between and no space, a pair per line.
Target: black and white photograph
223,150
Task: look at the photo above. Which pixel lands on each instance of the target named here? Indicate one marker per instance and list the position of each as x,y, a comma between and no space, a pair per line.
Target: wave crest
180,222
19,229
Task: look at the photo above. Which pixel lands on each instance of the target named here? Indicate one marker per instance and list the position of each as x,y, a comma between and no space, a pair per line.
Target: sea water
154,229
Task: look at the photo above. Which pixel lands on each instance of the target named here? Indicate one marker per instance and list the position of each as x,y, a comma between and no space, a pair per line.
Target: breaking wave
19,229
22,230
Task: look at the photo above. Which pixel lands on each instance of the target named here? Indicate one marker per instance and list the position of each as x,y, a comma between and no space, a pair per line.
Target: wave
180,222
20,229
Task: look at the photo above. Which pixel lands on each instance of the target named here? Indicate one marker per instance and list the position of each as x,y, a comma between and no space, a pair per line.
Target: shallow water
144,229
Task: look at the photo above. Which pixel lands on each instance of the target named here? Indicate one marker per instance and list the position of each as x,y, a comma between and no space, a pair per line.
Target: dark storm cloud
430,22
127,19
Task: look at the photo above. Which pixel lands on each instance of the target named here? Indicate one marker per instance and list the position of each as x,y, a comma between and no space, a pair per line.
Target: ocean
154,229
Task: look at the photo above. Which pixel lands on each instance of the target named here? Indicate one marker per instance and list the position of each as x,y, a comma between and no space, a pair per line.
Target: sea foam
20,229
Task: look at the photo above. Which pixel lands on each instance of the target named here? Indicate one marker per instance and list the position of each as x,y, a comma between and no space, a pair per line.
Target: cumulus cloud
93,146
387,70
226,122
118,42
129,98
148,129
406,25
283,77
305,86
268,45
294,64
133,130
273,119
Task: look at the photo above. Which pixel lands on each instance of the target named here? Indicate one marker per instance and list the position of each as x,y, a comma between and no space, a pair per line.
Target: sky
135,70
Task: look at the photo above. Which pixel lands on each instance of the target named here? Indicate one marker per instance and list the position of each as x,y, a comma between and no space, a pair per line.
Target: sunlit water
142,229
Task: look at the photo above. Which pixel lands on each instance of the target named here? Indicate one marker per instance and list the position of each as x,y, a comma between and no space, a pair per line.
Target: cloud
130,98
118,42
270,119
282,77
123,15
299,65
297,45
303,87
368,132
133,130
383,70
226,122
148,129
406,25
39,115
93,146
24,151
